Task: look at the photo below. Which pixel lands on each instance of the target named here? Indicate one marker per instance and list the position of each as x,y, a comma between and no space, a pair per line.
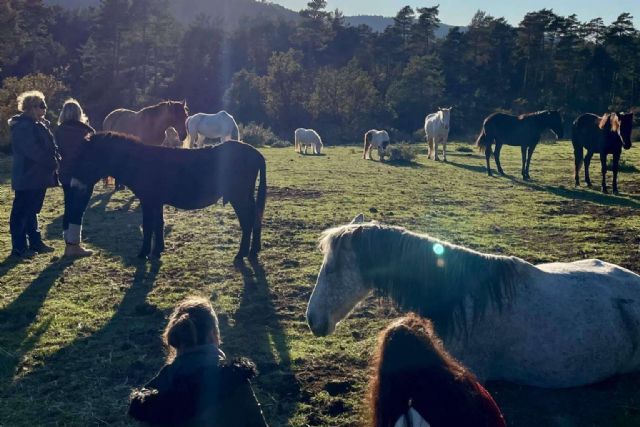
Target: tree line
318,72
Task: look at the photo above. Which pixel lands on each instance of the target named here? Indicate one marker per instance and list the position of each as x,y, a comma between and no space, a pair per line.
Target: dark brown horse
523,131
603,135
186,179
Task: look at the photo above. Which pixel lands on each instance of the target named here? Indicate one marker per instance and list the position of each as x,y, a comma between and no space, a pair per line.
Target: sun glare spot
438,249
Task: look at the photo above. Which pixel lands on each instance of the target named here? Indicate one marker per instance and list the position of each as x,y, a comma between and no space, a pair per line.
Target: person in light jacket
35,161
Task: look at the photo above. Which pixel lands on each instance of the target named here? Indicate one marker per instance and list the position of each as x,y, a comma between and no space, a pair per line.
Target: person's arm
24,142
154,402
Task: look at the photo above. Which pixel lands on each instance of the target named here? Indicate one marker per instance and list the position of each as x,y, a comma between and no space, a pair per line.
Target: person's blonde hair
27,101
72,111
192,323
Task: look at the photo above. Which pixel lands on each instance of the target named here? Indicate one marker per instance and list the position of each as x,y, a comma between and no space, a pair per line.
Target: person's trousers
75,204
23,221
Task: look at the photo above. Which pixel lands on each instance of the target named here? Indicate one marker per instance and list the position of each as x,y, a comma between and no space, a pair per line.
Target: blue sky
459,12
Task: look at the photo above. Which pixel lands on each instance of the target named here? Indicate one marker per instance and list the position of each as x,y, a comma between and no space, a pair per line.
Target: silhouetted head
192,323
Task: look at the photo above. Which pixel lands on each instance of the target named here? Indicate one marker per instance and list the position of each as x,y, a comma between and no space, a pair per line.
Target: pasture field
76,336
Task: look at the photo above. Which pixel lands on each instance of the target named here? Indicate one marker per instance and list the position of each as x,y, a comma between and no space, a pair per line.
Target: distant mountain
232,12
379,23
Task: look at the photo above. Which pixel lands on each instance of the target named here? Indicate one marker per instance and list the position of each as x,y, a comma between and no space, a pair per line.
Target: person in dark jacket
73,128
415,382
35,161
198,386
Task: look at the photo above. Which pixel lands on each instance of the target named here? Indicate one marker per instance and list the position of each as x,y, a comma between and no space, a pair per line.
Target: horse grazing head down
171,138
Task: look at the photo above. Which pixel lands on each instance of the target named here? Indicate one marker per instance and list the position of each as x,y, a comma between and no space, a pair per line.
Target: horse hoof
616,192
604,191
589,185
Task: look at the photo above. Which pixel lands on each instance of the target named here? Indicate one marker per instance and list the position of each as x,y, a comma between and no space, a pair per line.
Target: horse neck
439,287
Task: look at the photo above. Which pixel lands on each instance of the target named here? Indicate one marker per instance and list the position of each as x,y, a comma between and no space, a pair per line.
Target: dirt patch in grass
288,193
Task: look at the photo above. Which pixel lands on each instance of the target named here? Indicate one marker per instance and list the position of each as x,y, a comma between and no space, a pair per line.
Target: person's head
192,323
72,111
32,104
409,358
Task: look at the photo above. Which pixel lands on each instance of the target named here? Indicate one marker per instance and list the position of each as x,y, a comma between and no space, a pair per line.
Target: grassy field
76,336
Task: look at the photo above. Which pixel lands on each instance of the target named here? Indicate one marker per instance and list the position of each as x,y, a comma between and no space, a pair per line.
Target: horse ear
359,219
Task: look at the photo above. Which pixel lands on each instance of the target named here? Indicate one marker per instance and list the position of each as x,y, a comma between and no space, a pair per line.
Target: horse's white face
338,289
446,116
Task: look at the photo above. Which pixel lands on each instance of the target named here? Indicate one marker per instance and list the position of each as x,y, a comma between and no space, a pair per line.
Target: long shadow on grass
87,382
17,317
471,168
258,334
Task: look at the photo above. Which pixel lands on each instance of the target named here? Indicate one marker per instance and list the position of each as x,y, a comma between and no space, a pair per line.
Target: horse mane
111,137
154,108
404,266
612,119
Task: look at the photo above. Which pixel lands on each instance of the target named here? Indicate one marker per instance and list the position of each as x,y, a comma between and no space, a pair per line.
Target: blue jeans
75,203
23,221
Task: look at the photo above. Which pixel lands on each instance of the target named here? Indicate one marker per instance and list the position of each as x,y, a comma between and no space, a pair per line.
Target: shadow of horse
16,339
258,334
69,386
471,168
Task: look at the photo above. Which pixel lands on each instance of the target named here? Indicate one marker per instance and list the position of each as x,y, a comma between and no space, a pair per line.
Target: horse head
626,124
340,285
554,121
94,159
178,113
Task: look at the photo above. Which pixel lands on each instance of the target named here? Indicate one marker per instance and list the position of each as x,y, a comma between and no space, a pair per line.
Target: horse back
586,132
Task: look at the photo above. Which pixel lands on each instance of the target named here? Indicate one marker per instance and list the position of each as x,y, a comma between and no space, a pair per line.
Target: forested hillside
318,71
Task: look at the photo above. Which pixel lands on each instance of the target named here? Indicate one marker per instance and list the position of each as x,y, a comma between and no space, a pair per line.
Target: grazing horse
219,125
523,130
308,138
603,135
378,139
555,325
171,138
186,179
436,129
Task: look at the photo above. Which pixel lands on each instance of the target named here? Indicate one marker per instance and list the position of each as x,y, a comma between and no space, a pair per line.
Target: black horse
603,135
186,179
523,130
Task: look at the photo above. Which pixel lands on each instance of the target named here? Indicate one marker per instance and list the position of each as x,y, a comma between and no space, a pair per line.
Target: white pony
561,324
378,139
219,125
308,138
436,129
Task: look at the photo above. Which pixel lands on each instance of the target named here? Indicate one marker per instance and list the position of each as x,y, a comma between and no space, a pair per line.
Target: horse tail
262,192
483,141
577,153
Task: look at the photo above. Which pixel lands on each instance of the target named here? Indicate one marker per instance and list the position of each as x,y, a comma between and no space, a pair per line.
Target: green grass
75,337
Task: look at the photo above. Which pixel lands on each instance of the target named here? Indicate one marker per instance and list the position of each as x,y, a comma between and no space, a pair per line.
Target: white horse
308,138
378,139
561,324
219,125
436,129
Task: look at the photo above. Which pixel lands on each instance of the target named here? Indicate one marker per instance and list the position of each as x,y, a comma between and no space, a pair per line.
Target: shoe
24,254
41,248
72,250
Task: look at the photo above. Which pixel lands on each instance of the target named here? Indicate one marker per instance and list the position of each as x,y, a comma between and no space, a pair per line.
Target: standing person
35,160
415,382
71,133
198,386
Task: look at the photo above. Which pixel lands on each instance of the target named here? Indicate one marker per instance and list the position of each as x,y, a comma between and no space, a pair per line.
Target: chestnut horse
186,179
603,135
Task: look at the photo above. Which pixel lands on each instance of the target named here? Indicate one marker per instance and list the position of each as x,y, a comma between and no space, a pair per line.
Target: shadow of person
69,387
258,334
16,338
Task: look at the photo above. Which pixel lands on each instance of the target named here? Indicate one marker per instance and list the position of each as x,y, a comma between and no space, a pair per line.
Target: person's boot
76,250
72,237
41,248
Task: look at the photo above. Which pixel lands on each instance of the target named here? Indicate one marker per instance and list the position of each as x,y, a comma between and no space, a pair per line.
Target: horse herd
561,324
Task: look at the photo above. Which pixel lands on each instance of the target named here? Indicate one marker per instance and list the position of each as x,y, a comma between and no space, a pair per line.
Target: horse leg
364,154
616,162
256,241
529,155
496,157
587,162
245,211
523,152
444,149
158,230
147,230
577,161
487,156
435,149
603,164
